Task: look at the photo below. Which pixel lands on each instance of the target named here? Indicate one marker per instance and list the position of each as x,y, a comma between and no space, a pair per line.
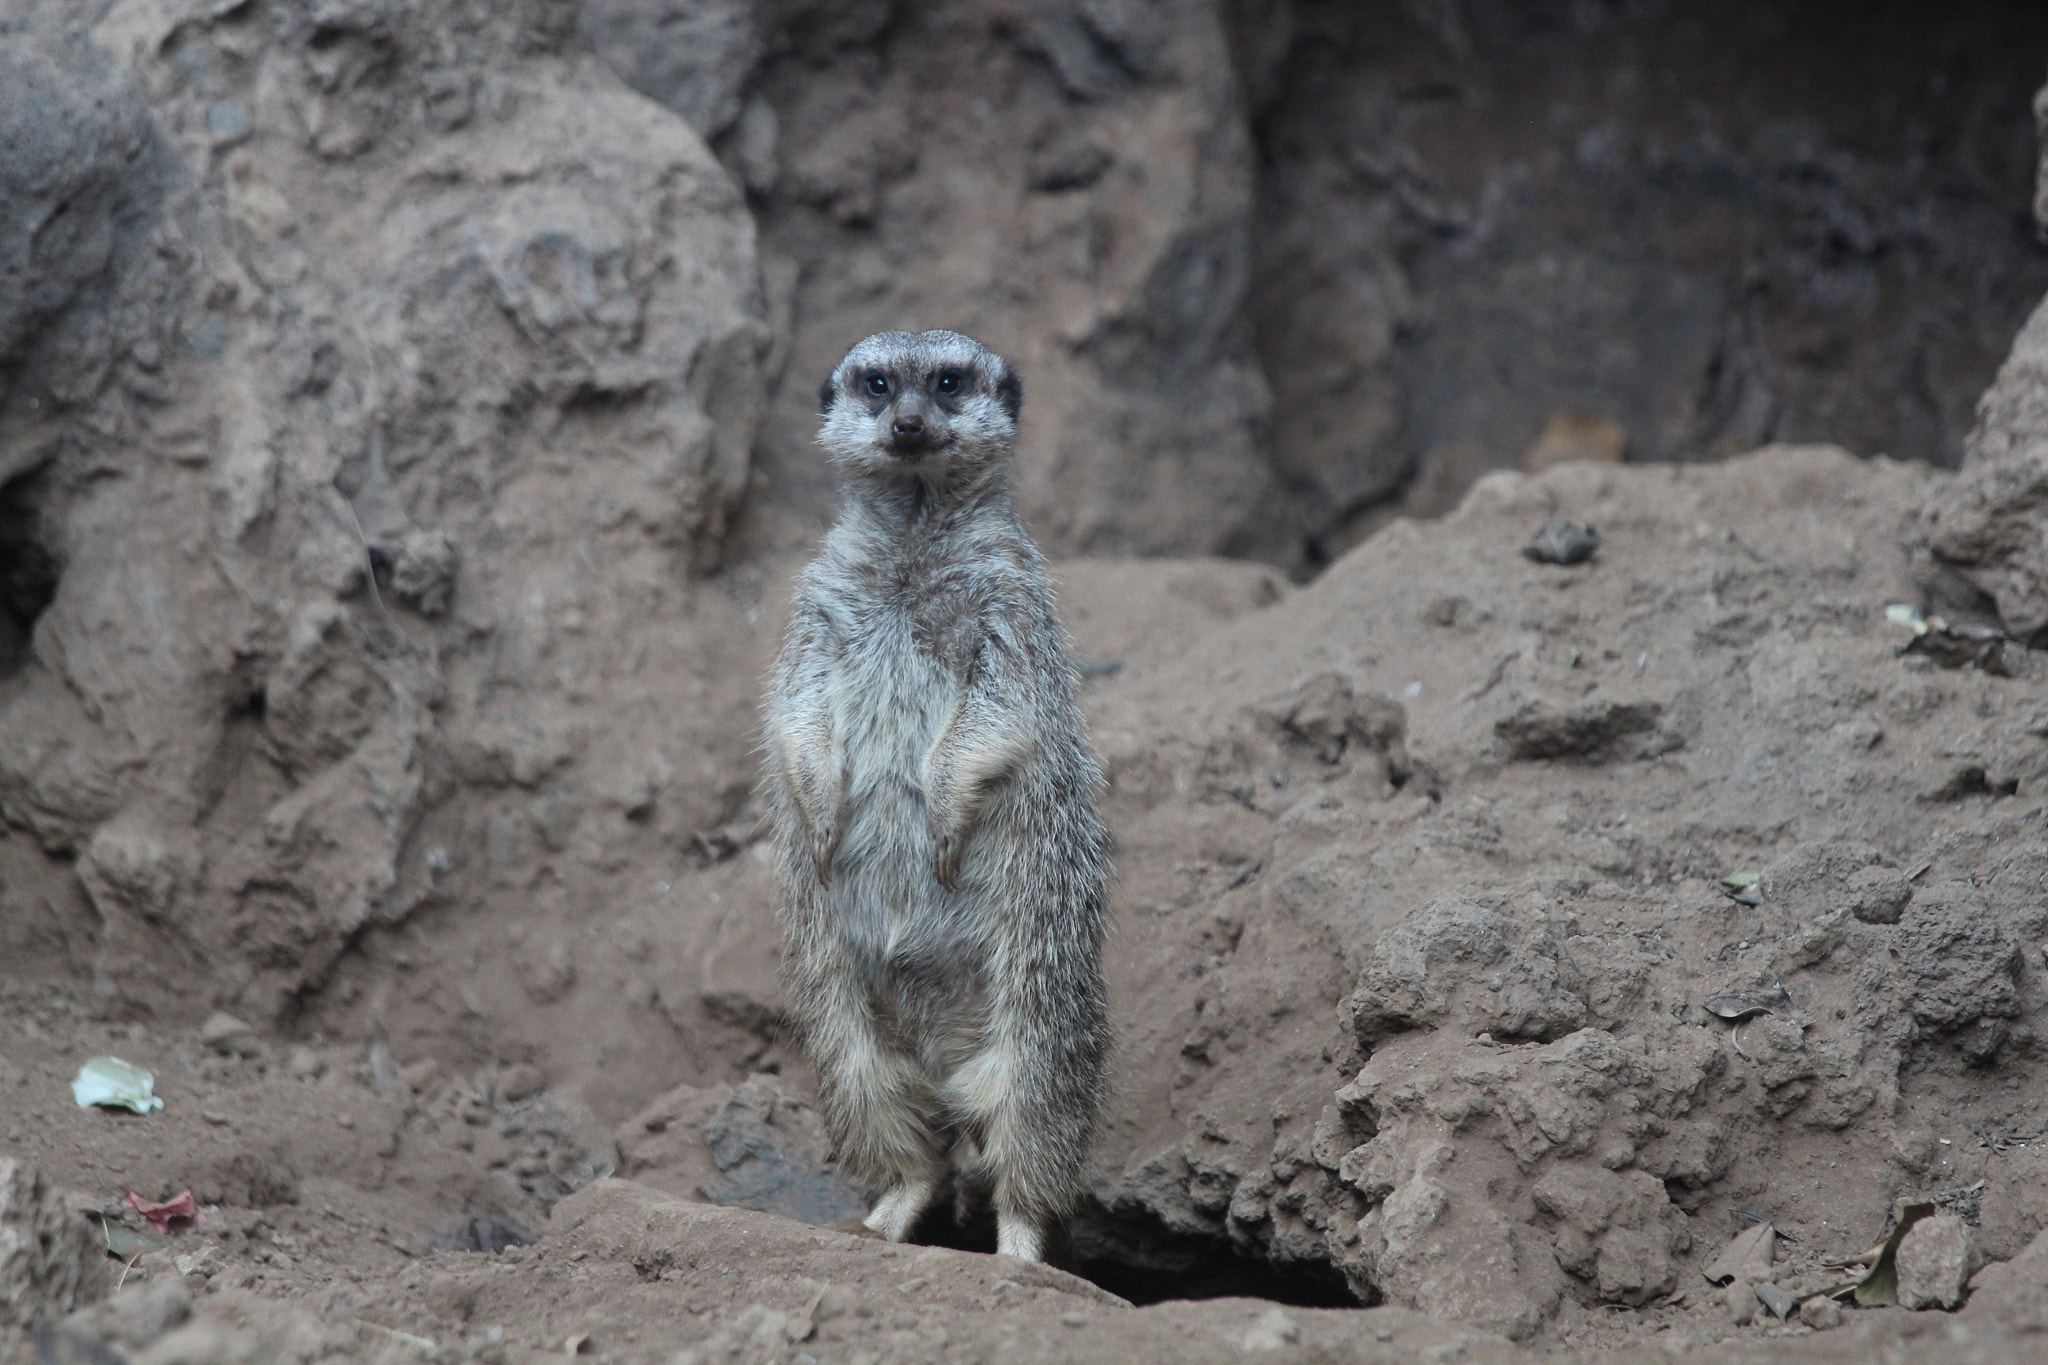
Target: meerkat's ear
826,393
1010,391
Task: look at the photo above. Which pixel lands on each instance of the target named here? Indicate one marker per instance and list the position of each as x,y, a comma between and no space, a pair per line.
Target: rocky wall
380,377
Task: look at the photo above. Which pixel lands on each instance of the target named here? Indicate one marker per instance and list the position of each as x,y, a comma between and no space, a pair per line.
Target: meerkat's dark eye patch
875,385
1010,391
950,382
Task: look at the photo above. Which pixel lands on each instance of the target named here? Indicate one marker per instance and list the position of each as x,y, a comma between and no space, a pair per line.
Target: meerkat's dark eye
951,381
876,384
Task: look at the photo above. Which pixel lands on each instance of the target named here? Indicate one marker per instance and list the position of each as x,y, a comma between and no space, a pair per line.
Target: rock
1618,1231
1878,895
136,1317
420,1074
304,1064
50,1263
1987,523
520,1081
1597,731
1424,969
78,175
771,1155
229,1036
750,1146
558,1145
2014,1293
488,1233
692,56
562,287
1146,333
1327,716
1740,1296
1935,1261
1821,1313
1559,541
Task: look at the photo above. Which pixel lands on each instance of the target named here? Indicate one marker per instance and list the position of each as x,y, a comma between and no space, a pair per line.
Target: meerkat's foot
897,1212
1019,1236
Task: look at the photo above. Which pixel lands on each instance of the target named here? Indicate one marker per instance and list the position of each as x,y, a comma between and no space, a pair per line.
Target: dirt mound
1486,997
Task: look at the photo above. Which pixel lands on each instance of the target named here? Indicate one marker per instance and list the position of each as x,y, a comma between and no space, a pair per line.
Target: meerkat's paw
1019,1236
897,1212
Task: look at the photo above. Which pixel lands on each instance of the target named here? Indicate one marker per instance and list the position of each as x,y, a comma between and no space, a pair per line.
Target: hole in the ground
1147,1264
28,570
1223,1272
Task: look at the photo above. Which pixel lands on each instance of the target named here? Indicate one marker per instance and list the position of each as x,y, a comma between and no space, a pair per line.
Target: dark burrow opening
28,571
1144,1263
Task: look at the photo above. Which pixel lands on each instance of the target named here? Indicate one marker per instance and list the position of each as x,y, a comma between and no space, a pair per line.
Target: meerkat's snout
915,429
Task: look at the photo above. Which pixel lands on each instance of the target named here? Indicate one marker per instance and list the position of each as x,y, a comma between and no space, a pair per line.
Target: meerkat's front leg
810,773
981,743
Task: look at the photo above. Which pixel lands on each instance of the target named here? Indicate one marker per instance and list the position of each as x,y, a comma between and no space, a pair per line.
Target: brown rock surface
49,1263
1935,1260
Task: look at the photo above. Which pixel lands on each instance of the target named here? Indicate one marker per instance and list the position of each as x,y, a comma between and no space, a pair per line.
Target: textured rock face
1524,1108
432,317
1935,1261
1071,183
1270,264
78,180
49,1263
1693,227
1990,523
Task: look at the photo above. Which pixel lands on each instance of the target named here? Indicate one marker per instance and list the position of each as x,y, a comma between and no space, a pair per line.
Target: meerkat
943,869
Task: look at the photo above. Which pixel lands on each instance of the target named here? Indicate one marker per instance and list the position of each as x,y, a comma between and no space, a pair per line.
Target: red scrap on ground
180,1211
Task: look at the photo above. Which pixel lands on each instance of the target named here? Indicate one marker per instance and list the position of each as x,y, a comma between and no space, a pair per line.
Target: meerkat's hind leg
897,1211
1019,1235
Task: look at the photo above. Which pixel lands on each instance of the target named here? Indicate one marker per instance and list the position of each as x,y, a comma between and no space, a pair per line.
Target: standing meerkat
943,869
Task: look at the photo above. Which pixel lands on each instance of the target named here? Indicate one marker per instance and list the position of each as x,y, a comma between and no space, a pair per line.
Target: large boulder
432,382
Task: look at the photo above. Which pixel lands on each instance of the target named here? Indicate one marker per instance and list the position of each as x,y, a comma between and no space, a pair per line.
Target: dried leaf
1745,1258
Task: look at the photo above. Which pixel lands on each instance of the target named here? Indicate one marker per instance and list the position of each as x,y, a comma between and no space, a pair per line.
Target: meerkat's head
925,405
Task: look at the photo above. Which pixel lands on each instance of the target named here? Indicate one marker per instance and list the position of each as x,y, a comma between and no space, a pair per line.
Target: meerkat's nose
907,424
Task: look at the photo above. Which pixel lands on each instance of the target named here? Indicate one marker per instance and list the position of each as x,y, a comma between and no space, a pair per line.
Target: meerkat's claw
897,1212
946,865
1020,1237
824,851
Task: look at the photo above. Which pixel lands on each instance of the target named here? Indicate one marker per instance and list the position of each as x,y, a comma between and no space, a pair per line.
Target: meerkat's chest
890,696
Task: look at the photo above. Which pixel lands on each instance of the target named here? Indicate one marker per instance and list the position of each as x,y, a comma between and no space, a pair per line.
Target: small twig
1500,670
392,1332
126,1267
369,559
1735,1039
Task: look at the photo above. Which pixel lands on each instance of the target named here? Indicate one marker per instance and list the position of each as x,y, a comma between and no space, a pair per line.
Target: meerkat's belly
889,706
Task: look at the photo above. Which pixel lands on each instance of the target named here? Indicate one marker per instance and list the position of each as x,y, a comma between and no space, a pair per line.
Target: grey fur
943,868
